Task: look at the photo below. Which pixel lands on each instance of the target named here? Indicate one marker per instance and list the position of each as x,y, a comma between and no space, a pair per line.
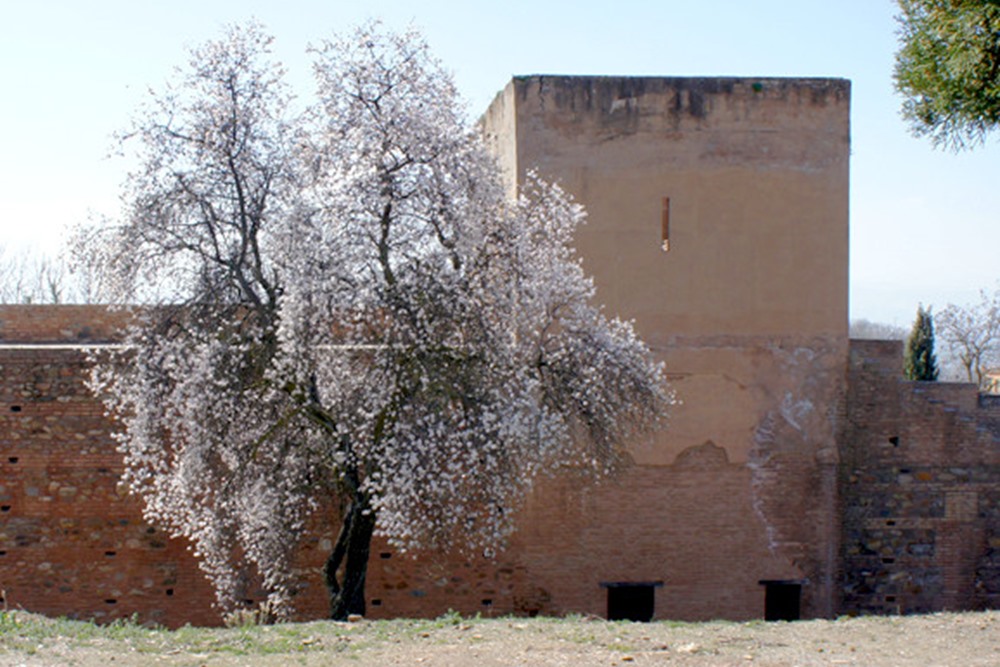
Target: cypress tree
919,362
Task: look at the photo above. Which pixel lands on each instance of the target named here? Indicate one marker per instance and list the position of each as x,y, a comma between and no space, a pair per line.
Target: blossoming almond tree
343,304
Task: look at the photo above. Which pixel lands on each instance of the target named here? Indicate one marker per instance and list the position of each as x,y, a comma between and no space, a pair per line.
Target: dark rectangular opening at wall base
782,600
632,600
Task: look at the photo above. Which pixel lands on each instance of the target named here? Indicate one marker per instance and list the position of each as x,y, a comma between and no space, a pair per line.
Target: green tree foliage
948,69
919,362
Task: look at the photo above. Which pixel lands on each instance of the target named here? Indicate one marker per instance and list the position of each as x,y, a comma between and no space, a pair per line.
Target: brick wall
691,530
73,542
59,324
920,487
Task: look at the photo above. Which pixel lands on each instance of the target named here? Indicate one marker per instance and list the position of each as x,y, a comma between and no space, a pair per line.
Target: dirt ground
939,639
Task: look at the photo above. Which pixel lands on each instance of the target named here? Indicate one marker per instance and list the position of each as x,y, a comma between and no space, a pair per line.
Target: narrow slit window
665,225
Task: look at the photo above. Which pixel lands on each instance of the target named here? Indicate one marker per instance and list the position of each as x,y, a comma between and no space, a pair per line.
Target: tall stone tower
718,221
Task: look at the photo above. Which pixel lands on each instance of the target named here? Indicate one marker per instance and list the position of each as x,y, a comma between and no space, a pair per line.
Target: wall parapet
82,324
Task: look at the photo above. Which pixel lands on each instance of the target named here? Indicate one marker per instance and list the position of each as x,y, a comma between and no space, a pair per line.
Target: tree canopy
973,334
338,301
948,69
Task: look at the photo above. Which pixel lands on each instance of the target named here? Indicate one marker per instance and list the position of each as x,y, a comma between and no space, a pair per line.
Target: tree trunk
350,554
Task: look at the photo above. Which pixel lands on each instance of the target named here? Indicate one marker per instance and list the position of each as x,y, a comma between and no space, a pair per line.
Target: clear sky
924,223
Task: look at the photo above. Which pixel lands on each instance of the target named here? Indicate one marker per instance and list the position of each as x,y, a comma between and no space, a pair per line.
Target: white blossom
341,303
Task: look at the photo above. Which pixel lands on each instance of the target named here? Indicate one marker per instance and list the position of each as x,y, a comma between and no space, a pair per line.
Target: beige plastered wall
748,310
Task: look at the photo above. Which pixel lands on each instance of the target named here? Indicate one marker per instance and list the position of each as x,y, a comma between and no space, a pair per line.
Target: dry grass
451,641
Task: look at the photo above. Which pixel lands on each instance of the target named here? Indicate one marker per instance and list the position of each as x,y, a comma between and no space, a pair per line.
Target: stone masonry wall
717,222
65,324
920,487
74,543
72,540
919,477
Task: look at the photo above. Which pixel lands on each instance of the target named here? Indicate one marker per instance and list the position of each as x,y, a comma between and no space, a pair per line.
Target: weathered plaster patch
705,456
624,104
761,475
795,411
794,433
